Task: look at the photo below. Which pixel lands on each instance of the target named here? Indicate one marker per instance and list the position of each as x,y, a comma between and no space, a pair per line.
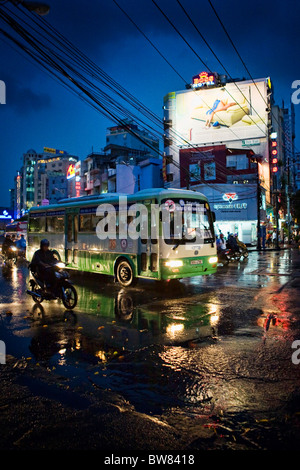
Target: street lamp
41,9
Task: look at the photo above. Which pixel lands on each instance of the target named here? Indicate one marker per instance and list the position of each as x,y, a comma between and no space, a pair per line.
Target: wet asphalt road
204,363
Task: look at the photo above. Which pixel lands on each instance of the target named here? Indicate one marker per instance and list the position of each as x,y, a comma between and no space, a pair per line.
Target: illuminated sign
274,153
55,151
230,197
204,78
238,206
208,115
78,188
71,171
5,215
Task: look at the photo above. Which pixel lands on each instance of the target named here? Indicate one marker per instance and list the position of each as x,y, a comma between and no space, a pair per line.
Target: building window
237,162
210,171
169,177
169,159
194,169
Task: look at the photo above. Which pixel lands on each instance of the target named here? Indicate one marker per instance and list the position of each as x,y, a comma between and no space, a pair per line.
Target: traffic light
273,153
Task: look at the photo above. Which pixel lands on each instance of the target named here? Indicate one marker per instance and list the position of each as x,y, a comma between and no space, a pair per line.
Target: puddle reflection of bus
129,325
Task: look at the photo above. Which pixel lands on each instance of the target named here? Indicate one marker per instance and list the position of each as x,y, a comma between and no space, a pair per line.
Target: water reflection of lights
101,355
77,342
174,328
214,312
62,360
214,319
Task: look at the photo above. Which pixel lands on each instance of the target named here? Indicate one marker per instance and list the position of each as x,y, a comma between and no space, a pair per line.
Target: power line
52,64
244,64
205,65
151,43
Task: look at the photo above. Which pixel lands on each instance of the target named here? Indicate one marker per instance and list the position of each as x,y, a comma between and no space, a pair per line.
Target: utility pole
288,208
276,221
258,211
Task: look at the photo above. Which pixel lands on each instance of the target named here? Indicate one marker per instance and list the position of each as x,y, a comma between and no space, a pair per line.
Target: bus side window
95,220
37,224
85,224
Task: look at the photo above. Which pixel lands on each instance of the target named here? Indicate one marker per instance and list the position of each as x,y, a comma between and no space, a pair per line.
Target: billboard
221,114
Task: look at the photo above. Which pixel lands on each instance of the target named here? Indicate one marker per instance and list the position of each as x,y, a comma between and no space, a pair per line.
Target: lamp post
256,159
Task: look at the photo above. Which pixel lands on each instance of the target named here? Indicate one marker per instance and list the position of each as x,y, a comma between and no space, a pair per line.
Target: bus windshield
189,220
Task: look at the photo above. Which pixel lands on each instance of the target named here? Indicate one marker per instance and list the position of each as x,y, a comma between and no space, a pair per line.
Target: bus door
148,246
71,237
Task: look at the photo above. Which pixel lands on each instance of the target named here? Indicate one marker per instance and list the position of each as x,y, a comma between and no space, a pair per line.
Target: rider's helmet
44,242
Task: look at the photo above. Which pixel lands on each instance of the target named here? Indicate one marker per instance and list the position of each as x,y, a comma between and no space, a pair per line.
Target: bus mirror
213,214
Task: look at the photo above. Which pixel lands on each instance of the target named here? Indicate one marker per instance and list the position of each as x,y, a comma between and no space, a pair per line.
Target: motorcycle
10,256
243,249
224,256
63,290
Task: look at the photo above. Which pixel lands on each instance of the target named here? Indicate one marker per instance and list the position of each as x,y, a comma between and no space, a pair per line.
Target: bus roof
160,193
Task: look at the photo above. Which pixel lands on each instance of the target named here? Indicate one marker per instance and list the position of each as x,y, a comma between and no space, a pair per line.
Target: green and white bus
71,225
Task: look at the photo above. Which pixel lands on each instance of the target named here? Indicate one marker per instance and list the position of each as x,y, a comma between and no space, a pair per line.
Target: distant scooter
243,249
10,256
224,256
64,290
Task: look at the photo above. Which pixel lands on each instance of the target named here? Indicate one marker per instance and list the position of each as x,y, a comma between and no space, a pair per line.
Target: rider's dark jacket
42,260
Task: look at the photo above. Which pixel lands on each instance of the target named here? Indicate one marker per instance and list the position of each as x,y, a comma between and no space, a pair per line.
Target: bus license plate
197,261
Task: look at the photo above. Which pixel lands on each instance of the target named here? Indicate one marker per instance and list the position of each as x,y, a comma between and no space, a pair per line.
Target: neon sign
71,171
5,215
204,78
54,151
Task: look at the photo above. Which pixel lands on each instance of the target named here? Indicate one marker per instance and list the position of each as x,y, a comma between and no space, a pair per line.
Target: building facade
42,178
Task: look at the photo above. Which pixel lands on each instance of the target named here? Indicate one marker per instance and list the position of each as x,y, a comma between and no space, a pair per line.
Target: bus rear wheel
125,274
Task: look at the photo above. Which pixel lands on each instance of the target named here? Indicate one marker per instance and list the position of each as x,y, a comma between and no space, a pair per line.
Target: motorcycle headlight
60,265
13,248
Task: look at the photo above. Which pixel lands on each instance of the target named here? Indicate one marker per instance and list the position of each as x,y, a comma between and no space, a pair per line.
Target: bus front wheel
125,274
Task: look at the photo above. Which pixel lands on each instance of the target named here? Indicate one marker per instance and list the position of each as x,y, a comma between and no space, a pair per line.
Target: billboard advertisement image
220,114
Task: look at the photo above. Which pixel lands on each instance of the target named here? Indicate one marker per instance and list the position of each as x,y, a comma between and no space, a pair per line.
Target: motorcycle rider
232,243
43,263
221,242
21,244
7,243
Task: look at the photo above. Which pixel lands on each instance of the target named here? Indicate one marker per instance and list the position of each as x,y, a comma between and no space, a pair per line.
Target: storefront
235,206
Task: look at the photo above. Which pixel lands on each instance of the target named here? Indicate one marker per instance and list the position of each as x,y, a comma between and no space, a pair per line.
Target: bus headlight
213,260
174,263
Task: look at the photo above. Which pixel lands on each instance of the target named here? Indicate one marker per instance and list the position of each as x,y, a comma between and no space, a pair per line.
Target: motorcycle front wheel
69,296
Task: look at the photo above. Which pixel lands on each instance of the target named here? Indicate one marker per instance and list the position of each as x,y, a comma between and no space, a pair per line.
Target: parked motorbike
63,290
